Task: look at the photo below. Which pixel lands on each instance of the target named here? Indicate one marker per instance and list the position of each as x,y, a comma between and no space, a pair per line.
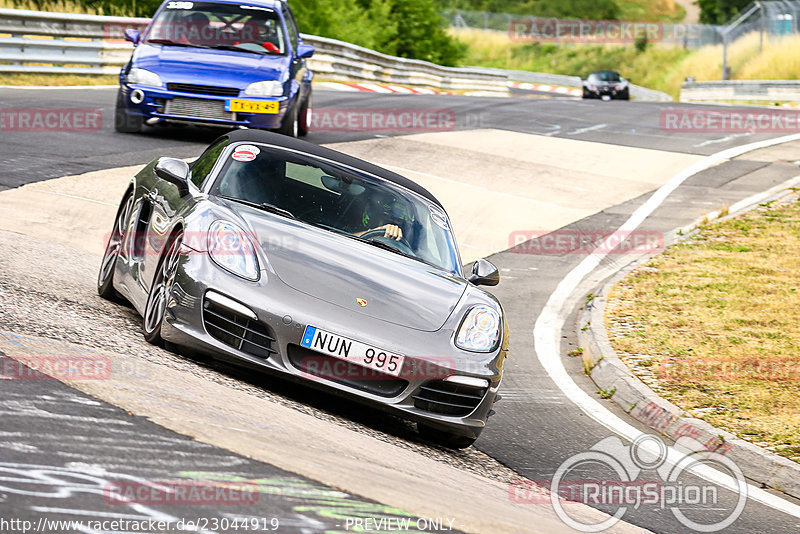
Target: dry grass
56,79
713,325
59,6
779,61
658,67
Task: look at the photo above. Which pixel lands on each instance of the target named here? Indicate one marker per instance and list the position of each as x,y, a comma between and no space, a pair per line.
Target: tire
156,307
306,111
105,278
444,438
291,123
124,123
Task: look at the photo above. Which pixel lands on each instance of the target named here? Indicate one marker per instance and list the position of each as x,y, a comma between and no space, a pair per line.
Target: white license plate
352,351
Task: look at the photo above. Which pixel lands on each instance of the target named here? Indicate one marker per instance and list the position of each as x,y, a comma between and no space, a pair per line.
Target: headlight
267,88
480,330
231,249
144,77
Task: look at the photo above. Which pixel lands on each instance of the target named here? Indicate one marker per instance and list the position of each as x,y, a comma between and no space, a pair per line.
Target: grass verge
713,325
656,67
57,79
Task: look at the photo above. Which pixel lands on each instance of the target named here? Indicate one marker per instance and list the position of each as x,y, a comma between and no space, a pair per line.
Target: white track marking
588,129
77,197
549,324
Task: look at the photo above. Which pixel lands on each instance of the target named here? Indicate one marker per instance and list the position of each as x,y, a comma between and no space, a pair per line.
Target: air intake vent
319,365
448,398
203,89
198,108
238,331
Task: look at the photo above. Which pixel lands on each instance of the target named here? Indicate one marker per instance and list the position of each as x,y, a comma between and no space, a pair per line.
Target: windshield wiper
387,246
271,208
174,43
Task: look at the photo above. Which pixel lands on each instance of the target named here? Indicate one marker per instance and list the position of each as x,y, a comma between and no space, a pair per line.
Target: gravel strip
48,291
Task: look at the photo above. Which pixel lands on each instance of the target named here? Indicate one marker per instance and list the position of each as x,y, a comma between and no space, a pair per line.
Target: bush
568,9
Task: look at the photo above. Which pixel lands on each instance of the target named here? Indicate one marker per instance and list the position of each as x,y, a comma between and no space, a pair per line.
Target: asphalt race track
536,428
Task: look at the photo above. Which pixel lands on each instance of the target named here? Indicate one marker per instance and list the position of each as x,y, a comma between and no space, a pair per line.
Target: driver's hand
392,232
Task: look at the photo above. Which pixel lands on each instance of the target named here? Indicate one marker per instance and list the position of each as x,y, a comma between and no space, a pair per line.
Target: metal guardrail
46,42
36,41
741,91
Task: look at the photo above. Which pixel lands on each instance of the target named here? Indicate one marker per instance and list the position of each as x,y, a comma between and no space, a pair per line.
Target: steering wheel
380,235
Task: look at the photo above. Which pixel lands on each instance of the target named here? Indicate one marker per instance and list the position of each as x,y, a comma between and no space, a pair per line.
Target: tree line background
412,28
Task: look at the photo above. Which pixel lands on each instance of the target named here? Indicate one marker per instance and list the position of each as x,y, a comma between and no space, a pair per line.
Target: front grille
238,331
448,398
203,89
199,108
319,365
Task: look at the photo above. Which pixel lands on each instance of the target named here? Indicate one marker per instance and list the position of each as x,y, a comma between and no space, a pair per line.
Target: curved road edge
551,323
610,373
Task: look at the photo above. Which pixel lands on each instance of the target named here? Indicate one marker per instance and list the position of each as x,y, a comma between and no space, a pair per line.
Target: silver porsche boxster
300,260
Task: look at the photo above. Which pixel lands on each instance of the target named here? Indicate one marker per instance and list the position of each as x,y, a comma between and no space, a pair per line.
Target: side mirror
174,171
304,51
484,273
133,36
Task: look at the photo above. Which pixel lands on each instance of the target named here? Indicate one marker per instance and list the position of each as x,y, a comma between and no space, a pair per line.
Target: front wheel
305,116
291,124
156,306
444,438
105,279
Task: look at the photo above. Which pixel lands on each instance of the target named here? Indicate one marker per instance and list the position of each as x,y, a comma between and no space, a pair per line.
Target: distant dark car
323,268
607,85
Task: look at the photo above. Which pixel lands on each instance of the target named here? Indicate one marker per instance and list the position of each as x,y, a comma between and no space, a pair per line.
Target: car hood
180,64
340,270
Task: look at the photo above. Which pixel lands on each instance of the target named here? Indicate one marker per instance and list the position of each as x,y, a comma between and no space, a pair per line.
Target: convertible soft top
260,136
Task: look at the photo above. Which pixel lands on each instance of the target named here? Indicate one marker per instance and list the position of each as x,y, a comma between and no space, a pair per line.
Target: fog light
137,96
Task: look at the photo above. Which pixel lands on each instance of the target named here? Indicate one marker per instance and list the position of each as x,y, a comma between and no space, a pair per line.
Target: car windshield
341,200
219,26
600,77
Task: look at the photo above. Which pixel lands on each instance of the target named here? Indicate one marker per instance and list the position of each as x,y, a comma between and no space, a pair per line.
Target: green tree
421,33
573,9
362,23
720,11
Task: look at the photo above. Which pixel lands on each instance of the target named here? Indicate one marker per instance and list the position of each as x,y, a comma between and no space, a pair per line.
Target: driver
382,210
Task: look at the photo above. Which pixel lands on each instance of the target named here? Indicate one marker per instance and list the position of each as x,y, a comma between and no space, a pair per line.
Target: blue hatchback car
225,63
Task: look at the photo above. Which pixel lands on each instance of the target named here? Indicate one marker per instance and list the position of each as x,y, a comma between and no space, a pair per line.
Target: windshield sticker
439,218
245,153
180,5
